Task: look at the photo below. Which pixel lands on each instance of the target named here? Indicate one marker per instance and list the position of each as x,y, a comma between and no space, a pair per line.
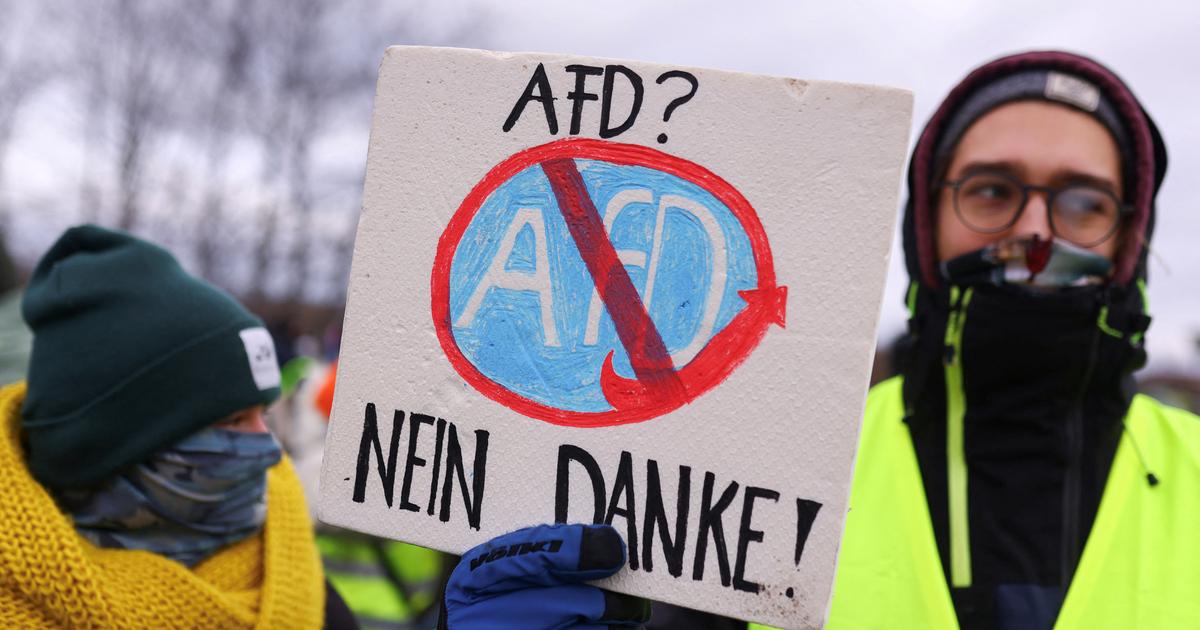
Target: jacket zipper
1073,480
956,462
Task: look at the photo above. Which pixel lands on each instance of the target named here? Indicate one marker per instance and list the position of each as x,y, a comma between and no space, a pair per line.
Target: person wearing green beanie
130,354
141,429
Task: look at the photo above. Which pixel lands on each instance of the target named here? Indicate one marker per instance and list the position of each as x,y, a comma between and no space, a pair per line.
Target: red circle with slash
658,387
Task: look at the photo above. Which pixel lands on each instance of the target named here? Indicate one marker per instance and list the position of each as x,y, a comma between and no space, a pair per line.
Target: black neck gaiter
1046,388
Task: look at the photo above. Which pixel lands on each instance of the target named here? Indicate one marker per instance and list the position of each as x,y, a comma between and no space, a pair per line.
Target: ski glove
533,579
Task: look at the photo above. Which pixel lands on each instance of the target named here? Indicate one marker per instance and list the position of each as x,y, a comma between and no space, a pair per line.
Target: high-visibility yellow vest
1140,567
386,584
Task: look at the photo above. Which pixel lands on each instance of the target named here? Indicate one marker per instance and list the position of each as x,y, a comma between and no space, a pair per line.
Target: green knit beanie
130,355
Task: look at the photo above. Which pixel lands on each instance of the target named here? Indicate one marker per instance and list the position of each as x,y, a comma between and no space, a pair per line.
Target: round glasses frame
1051,193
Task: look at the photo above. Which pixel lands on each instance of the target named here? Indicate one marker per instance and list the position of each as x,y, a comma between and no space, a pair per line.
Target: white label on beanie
1072,90
260,349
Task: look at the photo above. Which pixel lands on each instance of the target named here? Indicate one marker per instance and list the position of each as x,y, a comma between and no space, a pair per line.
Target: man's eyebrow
1060,177
1003,166
1068,176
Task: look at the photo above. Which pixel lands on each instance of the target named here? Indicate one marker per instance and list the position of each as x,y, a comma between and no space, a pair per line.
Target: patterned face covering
1030,262
185,502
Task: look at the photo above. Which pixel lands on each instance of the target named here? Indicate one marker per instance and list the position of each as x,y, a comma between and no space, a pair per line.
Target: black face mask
1046,378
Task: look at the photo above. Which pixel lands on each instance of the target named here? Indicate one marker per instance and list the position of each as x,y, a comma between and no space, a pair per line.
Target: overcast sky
922,46
925,47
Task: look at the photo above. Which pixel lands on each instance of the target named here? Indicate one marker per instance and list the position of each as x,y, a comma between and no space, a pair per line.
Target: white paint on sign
499,277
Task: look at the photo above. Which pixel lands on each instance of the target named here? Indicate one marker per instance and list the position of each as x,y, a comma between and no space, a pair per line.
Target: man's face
1038,143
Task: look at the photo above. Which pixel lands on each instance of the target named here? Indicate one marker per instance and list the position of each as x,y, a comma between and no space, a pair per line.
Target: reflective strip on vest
357,571
956,457
1139,569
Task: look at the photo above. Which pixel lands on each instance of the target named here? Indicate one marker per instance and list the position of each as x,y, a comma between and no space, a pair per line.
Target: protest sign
596,290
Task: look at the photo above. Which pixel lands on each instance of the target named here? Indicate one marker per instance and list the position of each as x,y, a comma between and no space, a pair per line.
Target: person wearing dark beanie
130,354
140,429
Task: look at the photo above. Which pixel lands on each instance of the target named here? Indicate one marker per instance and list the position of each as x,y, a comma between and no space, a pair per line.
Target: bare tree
23,70
229,32
128,66
207,120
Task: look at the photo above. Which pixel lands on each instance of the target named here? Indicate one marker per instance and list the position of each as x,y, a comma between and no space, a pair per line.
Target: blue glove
533,579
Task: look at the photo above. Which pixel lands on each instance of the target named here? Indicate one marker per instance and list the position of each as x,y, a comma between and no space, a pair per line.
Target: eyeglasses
1083,214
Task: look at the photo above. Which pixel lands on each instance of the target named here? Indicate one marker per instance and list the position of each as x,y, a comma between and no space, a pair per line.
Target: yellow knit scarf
51,577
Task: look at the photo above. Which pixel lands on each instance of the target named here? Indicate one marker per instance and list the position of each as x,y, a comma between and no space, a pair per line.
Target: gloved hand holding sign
533,579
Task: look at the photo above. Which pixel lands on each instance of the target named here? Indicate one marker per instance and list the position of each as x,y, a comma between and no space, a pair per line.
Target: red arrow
719,358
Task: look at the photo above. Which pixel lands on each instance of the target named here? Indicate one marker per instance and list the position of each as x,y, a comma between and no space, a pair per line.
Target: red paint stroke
648,354
642,398
723,354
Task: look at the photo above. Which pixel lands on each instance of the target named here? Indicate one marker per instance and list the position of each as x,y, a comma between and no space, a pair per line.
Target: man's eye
1084,201
994,191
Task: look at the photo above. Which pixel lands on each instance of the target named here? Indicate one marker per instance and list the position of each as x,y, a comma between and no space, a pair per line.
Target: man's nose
1034,219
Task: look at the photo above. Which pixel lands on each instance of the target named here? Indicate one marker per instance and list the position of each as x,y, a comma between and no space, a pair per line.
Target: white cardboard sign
596,290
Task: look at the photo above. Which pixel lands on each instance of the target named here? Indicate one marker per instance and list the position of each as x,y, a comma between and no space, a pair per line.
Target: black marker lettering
437,465
680,100
415,420
562,484
747,535
580,94
635,82
673,546
473,499
623,487
544,95
806,513
370,438
710,519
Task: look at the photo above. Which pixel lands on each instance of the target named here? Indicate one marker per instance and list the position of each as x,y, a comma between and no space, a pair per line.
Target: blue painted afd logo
525,311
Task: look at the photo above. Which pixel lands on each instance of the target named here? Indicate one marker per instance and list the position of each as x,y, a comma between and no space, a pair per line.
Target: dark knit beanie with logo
130,355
